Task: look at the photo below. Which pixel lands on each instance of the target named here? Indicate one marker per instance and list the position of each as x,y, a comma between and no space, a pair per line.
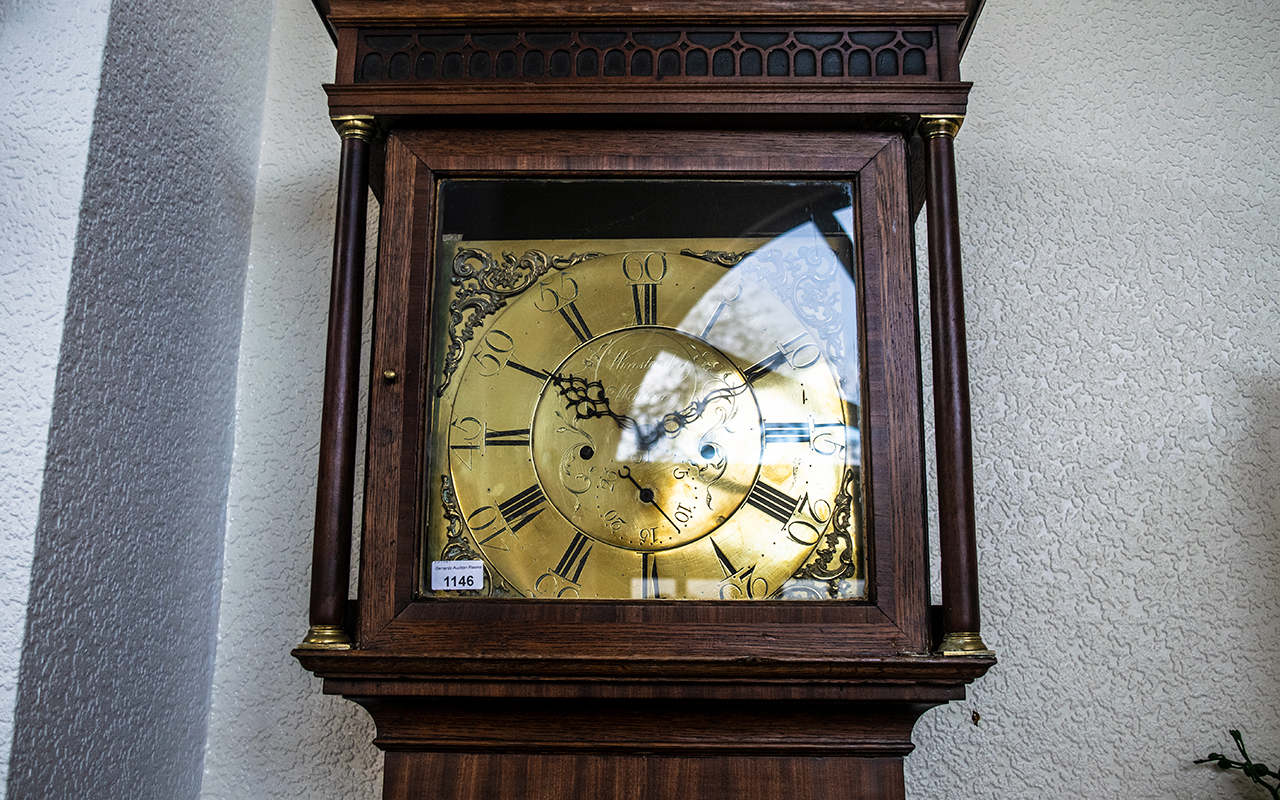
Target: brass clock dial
626,419
646,438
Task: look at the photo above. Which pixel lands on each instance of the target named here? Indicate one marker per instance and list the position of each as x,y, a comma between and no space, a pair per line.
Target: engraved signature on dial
590,400
625,467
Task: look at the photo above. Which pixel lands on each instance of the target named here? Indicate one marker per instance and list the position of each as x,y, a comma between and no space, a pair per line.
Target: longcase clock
644,513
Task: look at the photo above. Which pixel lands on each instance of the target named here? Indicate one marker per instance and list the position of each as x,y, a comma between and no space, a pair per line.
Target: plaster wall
117,652
1118,175
271,733
1122,261
47,116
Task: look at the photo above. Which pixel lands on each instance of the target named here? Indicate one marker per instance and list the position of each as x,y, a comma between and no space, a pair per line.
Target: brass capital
326,637
963,644
355,126
941,124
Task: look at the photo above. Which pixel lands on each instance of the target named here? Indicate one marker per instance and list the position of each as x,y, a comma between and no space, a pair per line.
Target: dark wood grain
895,462
896,622
639,152
764,100
957,530
950,46
758,677
346,66
476,12
388,412
448,776
331,553
658,725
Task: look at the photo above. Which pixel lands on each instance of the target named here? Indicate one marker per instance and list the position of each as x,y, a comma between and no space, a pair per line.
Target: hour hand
588,399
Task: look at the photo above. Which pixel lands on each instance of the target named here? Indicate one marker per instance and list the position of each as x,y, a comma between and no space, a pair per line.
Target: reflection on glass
647,390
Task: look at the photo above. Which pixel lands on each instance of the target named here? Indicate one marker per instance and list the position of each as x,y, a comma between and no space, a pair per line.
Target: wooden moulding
532,734
536,776
685,101
661,725
866,678
624,739
475,12
954,18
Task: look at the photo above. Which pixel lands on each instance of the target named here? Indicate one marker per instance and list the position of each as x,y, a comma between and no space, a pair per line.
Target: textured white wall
1118,175
1123,268
47,117
271,733
117,656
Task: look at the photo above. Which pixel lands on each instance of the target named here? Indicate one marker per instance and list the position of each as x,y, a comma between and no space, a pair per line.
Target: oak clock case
624,410
667,375
657,393
644,510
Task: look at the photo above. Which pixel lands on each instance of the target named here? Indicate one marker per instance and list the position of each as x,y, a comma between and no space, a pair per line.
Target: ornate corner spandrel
484,286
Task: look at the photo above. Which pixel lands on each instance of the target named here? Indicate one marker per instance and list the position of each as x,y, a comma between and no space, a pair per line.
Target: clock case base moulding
456,736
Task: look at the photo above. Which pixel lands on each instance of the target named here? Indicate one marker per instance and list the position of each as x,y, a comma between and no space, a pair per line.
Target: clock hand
675,421
646,495
588,400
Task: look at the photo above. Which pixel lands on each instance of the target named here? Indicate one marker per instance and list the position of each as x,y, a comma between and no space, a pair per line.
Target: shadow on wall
117,663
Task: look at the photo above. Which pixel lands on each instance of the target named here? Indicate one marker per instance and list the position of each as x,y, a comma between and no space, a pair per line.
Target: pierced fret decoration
712,54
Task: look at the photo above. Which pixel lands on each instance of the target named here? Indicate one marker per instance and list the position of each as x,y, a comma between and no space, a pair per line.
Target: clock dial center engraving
647,438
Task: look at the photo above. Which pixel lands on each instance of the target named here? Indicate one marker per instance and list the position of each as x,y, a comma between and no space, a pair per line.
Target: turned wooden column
335,487
956,531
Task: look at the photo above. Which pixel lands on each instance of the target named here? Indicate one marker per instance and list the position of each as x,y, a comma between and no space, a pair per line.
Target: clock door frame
671,638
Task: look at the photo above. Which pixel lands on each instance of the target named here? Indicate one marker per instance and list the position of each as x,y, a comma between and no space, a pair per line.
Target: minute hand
673,422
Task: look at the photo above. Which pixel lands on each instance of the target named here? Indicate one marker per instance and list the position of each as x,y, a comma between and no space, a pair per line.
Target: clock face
663,418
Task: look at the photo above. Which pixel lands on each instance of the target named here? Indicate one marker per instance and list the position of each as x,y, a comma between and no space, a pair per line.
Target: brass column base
326,637
963,643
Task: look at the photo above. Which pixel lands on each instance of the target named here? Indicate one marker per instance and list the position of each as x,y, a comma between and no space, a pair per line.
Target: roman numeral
764,366
574,558
645,298
537,373
517,437
467,454
782,355
715,316
576,323
518,507
725,563
772,501
649,576
476,520
499,546
787,432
